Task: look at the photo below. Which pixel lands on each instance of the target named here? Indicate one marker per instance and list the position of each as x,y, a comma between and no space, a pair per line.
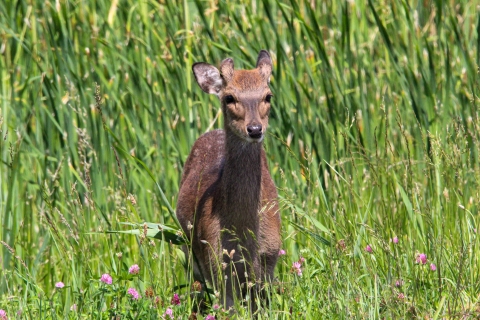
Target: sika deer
227,203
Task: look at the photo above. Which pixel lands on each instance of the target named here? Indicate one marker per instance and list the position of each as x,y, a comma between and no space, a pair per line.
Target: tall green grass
374,134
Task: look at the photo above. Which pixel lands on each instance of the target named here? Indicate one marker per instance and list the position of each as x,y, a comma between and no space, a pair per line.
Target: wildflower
119,255
59,285
168,312
433,267
149,293
197,286
73,307
216,307
421,258
132,199
395,240
210,317
301,260
368,248
175,299
135,269
297,268
106,278
401,296
3,314
133,293
399,283
341,246
157,302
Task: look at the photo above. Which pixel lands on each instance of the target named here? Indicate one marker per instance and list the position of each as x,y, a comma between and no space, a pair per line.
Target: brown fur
226,191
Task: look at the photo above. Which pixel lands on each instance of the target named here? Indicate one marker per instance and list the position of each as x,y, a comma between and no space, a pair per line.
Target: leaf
154,231
314,221
312,234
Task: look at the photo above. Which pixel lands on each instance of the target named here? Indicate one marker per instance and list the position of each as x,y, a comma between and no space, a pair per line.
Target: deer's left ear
264,64
226,69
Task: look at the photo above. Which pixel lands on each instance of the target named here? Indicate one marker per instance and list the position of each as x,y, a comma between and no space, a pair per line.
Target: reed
373,134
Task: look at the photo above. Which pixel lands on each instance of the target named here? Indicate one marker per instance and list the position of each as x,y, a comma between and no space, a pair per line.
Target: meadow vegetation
373,144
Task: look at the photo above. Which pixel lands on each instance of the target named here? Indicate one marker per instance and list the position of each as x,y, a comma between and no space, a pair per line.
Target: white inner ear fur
214,75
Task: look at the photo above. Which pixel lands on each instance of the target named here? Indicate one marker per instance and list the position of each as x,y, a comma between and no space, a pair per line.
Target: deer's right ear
208,77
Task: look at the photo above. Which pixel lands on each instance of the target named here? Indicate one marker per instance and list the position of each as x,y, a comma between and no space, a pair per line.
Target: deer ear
226,68
264,64
208,78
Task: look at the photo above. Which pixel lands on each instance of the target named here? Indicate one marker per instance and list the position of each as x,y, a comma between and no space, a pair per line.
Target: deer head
245,94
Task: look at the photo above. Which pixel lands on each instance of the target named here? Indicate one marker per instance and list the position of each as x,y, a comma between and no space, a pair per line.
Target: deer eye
229,99
268,97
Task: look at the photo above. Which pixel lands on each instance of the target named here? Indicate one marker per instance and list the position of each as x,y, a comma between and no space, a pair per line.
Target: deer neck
241,180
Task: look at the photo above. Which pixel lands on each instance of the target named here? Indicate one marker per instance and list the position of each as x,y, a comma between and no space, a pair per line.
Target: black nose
255,131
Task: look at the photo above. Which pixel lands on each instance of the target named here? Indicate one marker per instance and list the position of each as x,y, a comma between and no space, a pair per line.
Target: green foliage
374,134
